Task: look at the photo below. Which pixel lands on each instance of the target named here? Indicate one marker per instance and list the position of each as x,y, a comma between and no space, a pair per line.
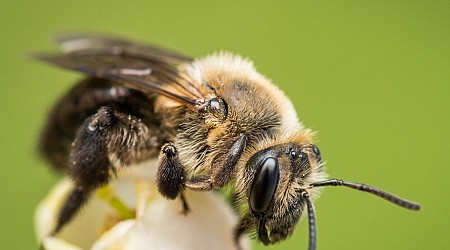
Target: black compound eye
264,185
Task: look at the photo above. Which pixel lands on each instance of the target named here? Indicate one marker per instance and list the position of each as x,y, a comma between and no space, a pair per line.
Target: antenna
311,222
369,189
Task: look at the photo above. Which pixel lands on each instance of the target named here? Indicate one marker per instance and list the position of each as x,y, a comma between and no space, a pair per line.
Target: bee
213,122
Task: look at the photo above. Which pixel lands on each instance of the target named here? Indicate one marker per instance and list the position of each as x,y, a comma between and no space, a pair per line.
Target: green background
371,76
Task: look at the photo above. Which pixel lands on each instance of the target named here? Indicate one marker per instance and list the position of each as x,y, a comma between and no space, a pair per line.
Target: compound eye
264,185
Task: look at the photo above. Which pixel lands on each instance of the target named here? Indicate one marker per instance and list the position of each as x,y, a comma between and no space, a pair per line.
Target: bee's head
278,176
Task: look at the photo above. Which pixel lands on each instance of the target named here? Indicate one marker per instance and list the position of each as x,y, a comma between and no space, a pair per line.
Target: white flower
130,214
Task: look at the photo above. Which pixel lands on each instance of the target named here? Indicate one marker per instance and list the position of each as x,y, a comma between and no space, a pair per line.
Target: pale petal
52,243
159,223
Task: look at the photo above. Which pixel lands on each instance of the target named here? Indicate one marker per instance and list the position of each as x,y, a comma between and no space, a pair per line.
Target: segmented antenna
311,222
369,189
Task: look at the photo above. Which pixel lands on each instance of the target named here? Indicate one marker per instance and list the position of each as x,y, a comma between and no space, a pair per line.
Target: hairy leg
223,167
107,141
80,102
170,178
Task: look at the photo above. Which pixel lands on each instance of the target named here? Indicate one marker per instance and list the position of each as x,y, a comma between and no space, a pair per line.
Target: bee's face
280,174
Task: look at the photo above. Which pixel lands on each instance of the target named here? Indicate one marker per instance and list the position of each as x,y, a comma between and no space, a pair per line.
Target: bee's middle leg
171,178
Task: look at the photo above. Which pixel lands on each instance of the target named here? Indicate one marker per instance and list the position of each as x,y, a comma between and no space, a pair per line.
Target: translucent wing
146,68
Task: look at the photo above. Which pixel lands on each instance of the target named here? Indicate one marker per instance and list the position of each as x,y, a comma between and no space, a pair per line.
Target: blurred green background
371,76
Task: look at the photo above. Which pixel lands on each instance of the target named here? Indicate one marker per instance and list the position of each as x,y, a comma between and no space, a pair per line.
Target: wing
146,68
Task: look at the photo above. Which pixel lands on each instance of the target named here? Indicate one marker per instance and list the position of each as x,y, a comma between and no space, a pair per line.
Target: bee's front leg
223,168
171,178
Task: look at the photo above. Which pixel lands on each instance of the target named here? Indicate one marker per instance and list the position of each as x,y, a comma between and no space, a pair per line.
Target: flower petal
159,223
